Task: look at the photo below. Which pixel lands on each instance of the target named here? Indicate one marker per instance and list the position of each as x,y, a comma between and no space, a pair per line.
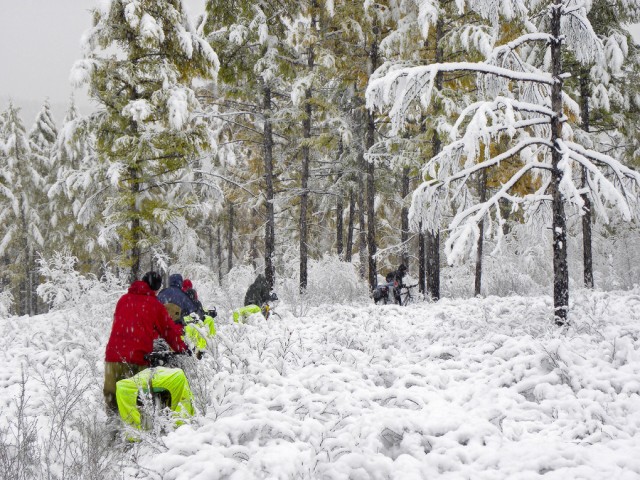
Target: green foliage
147,131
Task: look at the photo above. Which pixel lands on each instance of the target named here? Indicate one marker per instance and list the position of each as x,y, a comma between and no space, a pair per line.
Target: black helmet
402,268
153,279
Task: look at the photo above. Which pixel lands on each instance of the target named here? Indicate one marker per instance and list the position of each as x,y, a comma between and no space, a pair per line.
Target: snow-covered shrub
616,256
6,300
64,287
230,295
456,281
330,281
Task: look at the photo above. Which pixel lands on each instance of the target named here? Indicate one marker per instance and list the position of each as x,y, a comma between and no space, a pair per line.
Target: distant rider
177,302
397,278
256,300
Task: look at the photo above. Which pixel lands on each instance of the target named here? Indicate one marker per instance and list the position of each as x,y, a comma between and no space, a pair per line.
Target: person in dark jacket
175,300
258,292
139,319
396,278
187,287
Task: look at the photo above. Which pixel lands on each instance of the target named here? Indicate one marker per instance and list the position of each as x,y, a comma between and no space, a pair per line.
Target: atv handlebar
161,358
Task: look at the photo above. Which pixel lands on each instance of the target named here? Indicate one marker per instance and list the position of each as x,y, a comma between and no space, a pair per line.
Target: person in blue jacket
177,303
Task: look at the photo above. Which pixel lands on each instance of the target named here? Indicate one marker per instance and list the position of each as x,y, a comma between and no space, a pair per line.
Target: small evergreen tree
141,57
20,212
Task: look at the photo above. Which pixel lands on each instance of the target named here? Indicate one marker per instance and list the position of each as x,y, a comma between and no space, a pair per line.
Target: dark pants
114,372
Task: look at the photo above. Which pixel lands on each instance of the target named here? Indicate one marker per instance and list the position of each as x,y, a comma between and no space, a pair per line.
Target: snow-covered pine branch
400,87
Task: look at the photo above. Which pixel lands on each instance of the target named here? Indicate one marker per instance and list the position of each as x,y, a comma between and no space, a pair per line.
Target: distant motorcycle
383,293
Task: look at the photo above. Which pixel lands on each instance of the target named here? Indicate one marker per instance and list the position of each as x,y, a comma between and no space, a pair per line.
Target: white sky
39,41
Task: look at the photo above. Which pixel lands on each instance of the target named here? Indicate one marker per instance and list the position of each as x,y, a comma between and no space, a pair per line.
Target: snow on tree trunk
339,212
230,227
269,240
362,232
350,227
482,198
422,271
304,188
559,224
404,217
587,252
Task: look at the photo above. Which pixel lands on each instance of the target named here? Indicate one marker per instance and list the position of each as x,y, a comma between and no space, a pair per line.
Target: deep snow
477,389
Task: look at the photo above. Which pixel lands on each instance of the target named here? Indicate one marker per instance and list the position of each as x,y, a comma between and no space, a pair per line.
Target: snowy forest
449,137
492,147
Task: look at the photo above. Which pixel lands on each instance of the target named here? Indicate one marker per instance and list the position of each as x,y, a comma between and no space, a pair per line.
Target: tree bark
433,265
352,212
230,239
371,186
433,245
211,241
587,253
306,160
433,238
304,196
560,266
339,210
483,198
219,253
421,261
404,217
134,251
339,227
362,232
269,235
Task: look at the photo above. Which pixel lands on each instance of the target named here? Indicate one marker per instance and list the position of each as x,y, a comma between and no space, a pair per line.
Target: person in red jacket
139,319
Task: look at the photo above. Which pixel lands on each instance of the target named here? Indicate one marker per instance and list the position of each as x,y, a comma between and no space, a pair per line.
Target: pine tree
22,239
522,101
141,58
42,139
611,110
250,39
75,165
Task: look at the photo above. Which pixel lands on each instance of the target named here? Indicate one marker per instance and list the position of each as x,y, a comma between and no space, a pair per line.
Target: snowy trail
479,388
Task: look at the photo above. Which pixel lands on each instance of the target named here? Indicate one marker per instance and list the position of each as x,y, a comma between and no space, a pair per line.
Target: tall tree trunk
587,254
269,235
339,210
483,198
560,267
421,261
371,185
433,238
136,233
33,282
404,217
433,245
362,232
211,241
433,265
304,195
352,212
230,239
340,227
306,160
219,253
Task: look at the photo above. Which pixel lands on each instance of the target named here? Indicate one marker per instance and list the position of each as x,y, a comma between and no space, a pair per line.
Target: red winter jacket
140,318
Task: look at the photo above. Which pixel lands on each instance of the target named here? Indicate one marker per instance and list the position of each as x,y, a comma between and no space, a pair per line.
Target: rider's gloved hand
212,312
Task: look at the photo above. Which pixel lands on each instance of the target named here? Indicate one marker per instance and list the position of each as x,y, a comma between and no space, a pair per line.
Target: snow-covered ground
461,389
